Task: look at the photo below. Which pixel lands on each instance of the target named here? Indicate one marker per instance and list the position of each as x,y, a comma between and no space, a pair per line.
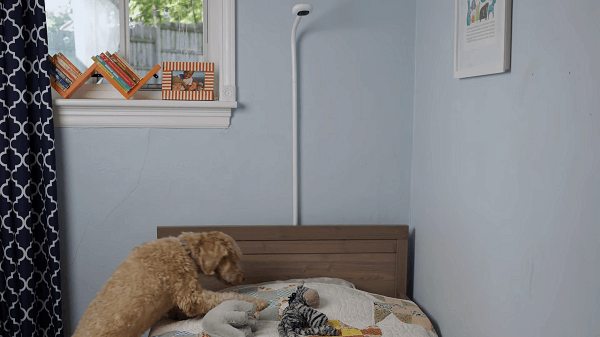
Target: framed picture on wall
194,81
482,39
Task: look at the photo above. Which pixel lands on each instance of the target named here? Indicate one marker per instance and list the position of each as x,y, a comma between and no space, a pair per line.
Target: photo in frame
482,37
193,81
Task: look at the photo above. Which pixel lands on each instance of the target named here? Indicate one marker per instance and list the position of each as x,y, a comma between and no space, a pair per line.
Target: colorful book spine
62,65
56,82
57,85
118,70
63,75
111,73
71,65
133,71
123,68
126,64
53,75
58,72
57,69
107,72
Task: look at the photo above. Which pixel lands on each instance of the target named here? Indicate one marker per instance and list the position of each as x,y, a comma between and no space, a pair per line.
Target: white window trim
103,106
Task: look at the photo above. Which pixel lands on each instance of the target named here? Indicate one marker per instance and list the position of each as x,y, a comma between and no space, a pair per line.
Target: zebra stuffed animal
298,315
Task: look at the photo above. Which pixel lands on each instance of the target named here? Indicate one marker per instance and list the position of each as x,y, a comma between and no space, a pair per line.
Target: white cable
295,123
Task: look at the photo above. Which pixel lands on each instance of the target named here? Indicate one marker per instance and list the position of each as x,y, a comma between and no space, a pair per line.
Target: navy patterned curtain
30,295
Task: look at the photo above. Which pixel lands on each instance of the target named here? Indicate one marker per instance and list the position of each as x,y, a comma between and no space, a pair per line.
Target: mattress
353,312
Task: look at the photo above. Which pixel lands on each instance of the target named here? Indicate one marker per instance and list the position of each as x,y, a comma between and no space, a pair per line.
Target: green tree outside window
150,12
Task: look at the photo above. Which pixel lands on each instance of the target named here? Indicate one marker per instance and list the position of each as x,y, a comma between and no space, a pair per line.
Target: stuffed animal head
312,298
216,253
305,296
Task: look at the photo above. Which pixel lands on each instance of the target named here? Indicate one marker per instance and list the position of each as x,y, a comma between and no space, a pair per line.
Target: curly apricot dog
160,275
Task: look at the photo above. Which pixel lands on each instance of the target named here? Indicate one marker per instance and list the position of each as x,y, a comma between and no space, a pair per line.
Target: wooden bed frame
373,258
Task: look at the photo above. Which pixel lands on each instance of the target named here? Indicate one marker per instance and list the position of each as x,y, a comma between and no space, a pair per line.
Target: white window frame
103,106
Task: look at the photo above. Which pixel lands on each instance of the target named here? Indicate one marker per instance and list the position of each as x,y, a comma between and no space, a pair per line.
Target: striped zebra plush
299,319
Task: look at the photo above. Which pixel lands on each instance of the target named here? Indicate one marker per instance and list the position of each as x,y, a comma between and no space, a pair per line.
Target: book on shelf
64,71
131,70
111,73
58,69
117,70
63,75
53,80
58,74
62,66
70,66
56,79
123,68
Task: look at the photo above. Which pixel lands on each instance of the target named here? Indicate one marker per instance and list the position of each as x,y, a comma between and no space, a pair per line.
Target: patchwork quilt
353,312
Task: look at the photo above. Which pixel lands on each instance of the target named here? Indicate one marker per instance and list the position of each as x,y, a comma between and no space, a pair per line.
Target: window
144,32
182,36
167,30
96,33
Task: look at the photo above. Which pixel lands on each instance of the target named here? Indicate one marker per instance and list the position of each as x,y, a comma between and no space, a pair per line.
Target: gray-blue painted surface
356,73
506,183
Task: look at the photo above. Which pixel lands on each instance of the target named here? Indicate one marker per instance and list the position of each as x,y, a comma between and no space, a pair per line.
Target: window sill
141,113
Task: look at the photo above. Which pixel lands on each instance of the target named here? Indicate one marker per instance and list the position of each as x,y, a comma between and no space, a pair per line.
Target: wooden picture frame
482,37
172,71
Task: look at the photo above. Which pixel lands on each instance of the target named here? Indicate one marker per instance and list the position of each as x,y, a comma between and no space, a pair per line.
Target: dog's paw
258,303
261,304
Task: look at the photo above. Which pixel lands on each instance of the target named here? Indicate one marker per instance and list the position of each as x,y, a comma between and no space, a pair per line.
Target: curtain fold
30,290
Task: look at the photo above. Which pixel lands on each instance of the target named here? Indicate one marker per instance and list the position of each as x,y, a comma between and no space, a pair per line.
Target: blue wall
356,66
506,189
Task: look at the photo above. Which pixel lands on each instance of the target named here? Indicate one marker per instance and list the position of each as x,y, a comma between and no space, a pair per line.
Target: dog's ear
211,254
234,248
209,249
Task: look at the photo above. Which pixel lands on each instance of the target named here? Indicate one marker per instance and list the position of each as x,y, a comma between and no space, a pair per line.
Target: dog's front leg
259,304
202,301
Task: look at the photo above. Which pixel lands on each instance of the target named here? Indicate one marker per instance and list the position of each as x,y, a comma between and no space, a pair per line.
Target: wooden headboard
374,258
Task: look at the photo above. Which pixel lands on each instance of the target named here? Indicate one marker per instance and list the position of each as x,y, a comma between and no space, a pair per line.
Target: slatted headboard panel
372,257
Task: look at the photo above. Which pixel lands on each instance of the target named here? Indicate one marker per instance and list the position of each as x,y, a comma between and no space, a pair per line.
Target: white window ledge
141,113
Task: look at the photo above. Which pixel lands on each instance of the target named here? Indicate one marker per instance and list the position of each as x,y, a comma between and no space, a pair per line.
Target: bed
359,272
